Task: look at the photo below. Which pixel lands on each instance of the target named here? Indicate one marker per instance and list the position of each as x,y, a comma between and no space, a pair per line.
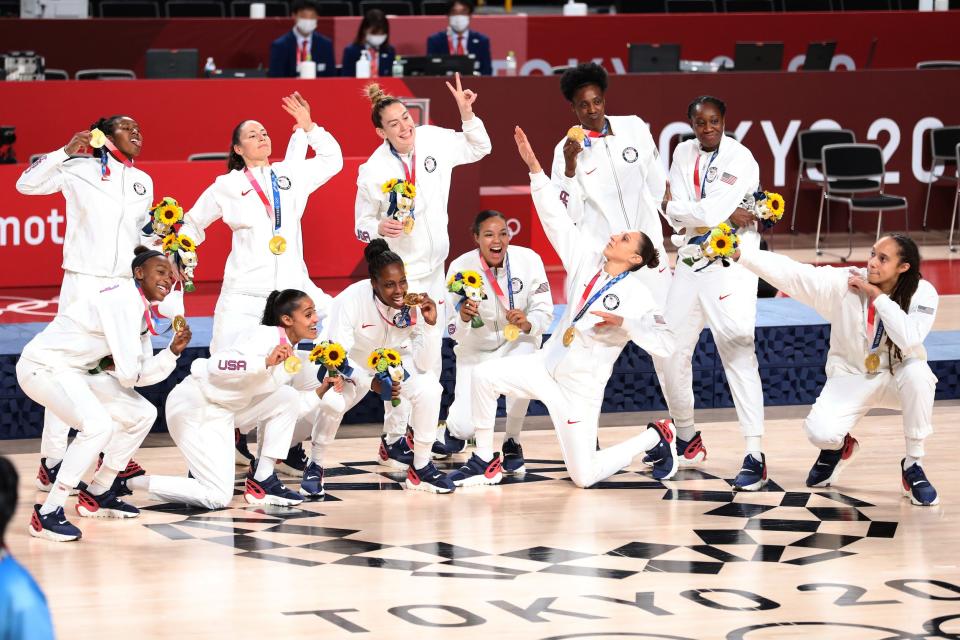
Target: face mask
459,23
376,41
171,306
306,26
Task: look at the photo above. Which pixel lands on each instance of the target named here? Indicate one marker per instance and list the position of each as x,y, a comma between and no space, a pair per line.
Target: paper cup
258,10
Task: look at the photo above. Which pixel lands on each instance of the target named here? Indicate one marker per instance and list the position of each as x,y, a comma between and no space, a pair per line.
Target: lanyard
303,52
408,315
263,197
871,315
593,298
593,134
702,188
148,316
374,62
496,285
118,155
409,173
283,336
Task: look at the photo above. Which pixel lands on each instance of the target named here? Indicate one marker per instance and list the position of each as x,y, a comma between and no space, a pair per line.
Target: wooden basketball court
533,558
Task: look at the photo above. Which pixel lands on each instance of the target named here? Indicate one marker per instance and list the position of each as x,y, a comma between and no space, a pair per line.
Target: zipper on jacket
123,204
616,181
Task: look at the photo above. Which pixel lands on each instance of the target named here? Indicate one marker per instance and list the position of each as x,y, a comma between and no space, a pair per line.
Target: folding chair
943,141
810,142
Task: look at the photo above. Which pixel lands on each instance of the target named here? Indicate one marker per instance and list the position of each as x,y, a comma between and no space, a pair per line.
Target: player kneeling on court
111,328
571,371
257,380
878,319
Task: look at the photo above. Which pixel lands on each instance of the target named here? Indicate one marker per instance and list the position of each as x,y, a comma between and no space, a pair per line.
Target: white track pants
110,418
203,431
396,418
658,281
844,400
460,416
726,298
53,442
574,416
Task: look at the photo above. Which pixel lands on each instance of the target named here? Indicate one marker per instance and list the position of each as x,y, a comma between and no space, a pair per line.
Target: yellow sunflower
170,242
723,226
186,243
472,279
317,352
722,245
392,356
334,355
409,190
389,185
373,360
774,204
168,212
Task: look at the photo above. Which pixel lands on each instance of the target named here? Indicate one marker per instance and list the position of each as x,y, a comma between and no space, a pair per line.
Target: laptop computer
819,56
173,63
654,58
758,56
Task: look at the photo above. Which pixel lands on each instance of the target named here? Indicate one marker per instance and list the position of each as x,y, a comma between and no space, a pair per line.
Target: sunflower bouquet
766,206
333,358
387,366
718,243
401,195
468,284
165,216
166,219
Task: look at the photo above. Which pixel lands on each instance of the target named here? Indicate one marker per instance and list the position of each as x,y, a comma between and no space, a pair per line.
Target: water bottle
397,67
363,64
209,69
511,64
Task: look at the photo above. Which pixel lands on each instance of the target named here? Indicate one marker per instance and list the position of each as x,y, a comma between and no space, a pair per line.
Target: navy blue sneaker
447,444
826,470
689,452
513,462
753,474
46,476
241,452
477,472
105,505
917,487
429,478
295,463
53,526
269,491
664,454
398,455
312,484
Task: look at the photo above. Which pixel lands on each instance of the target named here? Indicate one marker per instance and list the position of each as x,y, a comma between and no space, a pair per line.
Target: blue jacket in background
351,54
283,56
477,44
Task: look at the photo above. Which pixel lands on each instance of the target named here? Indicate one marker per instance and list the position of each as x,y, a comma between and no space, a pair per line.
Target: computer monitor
173,63
439,65
819,56
654,58
758,56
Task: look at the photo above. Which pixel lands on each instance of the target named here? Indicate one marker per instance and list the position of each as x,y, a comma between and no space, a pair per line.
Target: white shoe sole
522,469
479,481
756,486
271,500
393,464
307,494
43,534
917,503
425,486
836,472
46,487
684,462
105,513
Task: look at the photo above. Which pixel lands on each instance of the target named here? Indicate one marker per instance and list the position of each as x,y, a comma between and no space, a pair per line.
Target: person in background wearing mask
459,40
302,43
373,35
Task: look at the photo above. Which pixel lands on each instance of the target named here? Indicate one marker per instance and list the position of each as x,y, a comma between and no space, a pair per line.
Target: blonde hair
380,100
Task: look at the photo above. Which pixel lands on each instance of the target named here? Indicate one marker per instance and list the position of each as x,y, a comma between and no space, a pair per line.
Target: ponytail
279,304
378,255
234,159
649,253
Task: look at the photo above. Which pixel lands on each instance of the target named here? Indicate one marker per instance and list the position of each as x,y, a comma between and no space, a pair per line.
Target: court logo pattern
742,518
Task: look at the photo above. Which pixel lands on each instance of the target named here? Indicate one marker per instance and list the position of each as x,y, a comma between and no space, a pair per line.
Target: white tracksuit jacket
251,268
619,182
104,217
586,365
531,294
437,151
109,324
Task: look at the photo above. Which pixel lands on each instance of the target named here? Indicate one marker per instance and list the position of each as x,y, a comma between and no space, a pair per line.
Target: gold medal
278,244
292,365
408,225
412,299
872,362
511,332
568,336
179,323
97,138
576,133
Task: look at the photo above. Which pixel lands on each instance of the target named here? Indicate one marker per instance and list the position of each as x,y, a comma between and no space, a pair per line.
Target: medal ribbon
409,313
702,188
593,134
871,316
118,155
409,173
275,216
507,304
593,298
148,316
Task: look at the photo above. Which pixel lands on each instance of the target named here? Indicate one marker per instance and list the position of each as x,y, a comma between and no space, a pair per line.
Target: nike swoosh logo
245,192
726,296
662,269
572,421
364,326
591,171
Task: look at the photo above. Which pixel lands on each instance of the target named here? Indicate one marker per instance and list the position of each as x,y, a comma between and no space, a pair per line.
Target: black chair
819,56
758,56
956,201
55,74
9,9
389,7
129,9
691,6
807,5
849,172
943,142
195,9
434,7
105,74
275,8
939,64
653,58
810,144
332,8
640,6
748,6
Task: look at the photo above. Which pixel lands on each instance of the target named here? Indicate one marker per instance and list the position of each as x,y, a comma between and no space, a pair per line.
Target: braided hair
279,304
108,125
906,286
380,100
378,256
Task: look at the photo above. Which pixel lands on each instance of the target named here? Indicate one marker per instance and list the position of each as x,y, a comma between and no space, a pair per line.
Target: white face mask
306,26
376,41
171,306
459,23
